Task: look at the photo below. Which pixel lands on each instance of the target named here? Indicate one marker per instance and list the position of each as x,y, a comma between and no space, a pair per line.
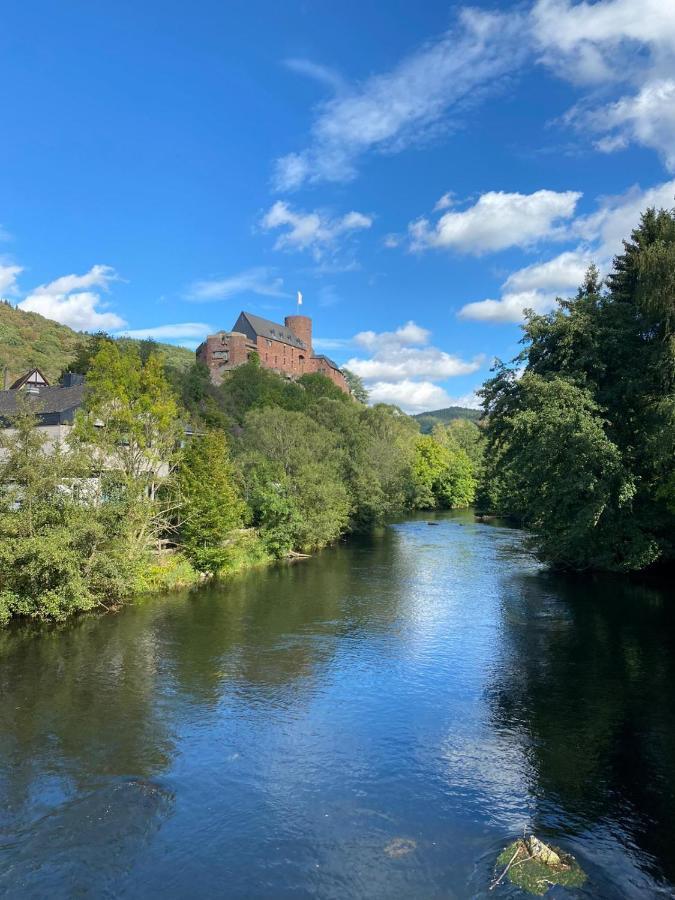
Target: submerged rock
400,847
535,867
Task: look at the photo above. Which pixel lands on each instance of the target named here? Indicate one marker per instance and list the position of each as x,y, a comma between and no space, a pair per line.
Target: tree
318,386
209,501
599,382
86,351
356,386
130,416
130,425
58,553
293,468
443,476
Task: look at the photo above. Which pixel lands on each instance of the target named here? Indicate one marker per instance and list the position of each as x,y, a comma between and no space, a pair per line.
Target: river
376,722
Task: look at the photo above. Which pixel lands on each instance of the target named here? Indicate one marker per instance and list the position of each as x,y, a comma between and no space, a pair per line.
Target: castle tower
301,326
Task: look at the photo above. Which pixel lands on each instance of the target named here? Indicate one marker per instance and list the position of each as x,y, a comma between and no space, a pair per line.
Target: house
285,349
31,379
55,405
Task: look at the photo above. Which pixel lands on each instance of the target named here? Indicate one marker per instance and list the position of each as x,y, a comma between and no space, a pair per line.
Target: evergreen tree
210,506
582,447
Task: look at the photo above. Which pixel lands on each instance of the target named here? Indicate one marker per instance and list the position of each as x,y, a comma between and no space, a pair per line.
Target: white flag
299,299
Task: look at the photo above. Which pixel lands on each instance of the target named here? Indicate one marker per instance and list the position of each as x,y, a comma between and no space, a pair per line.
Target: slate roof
55,405
265,328
327,359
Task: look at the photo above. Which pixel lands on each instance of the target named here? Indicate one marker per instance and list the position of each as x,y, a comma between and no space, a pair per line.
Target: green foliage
582,447
428,420
130,416
210,507
356,386
27,340
317,387
87,349
443,475
167,571
294,467
56,556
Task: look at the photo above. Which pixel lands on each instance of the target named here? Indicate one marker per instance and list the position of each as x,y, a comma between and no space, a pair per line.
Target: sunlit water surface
377,722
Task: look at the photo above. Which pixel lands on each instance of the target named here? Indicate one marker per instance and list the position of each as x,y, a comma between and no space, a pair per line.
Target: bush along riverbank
165,479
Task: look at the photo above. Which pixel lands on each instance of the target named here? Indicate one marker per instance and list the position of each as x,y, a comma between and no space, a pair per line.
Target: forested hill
28,339
427,420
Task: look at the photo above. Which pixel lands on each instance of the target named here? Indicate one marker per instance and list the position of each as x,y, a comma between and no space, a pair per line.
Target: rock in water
543,852
535,867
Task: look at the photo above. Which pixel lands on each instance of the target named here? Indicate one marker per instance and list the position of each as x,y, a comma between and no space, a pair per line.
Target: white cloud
509,309
390,111
445,202
407,335
565,271
610,43
646,118
401,367
391,240
316,71
8,276
398,364
598,45
261,280
411,396
587,40
310,230
601,233
65,301
185,330
616,216
496,221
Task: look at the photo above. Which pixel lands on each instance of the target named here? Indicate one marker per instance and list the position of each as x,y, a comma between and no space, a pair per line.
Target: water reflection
427,688
585,686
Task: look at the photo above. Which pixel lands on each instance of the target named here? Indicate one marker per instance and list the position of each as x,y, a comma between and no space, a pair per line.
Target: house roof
273,331
327,359
53,405
19,383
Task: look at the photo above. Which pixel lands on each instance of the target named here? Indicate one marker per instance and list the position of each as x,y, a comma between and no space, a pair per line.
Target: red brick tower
301,326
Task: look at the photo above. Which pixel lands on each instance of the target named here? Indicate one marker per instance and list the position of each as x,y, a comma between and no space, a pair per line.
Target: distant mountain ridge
427,420
28,340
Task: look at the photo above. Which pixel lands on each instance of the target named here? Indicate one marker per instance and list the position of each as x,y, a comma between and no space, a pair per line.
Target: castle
286,349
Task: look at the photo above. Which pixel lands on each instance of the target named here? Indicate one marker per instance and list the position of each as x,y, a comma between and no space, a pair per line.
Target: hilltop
28,339
427,420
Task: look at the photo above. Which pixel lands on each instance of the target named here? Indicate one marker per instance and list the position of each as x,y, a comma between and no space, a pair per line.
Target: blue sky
421,172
